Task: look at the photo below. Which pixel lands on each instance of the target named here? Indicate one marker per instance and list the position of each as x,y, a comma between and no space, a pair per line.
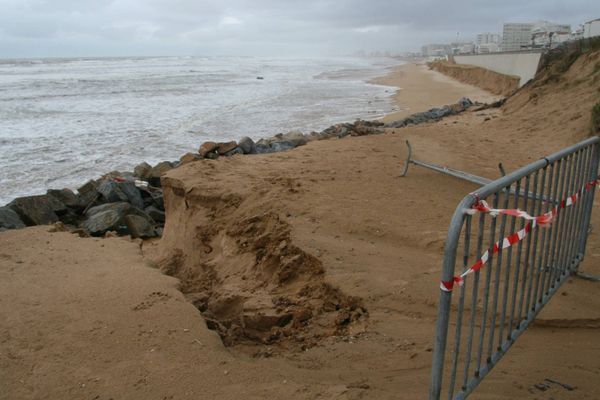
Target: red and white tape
543,220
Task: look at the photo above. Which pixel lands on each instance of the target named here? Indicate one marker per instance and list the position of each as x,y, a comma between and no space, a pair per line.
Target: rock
159,170
189,157
295,137
262,148
38,210
88,193
142,170
140,226
112,217
225,147
65,196
103,221
206,148
121,208
247,145
156,214
133,194
282,145
465,102
9,219
111,192
233,152
159,200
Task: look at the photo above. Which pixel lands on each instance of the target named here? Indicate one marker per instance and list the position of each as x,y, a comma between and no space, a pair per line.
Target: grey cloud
261,27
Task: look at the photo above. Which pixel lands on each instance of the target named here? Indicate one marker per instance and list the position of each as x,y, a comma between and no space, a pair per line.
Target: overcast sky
62,28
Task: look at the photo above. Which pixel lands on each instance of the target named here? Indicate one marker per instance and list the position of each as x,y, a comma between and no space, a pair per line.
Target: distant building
517,36
436,50
591,28
488,42
462,47
549,35
487,38
488,48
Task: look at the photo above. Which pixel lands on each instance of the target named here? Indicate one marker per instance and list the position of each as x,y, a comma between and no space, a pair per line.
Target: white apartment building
487,38
516,36
488,42
591,28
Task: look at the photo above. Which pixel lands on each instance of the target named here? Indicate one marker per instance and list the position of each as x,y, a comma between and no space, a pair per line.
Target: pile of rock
125,203
434,114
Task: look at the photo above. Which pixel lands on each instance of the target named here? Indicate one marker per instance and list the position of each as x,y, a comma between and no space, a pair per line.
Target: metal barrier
510,266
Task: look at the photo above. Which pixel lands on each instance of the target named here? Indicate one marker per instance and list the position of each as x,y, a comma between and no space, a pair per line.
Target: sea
65,121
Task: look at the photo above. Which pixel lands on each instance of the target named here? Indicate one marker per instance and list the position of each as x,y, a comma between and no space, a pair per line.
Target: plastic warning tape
543,220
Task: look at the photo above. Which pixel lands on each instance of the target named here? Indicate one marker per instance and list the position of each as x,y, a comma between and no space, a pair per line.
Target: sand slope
93,318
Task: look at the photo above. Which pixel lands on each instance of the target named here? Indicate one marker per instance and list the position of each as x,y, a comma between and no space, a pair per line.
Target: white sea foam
63,121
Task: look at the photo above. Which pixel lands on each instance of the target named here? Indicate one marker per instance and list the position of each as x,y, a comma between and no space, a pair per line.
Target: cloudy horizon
93,28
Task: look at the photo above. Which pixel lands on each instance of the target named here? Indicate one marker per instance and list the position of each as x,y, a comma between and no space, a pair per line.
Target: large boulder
113,217
189,157
38,210
65,196
282,145
9,219
225,147
133,193
247,145
101,222
88,193
140,226
113,191
159,170
156,214
206,148
295,137
142,170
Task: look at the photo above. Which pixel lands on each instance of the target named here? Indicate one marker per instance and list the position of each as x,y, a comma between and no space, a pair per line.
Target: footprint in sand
152,299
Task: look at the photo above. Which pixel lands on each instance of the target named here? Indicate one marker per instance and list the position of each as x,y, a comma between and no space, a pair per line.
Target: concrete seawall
523,64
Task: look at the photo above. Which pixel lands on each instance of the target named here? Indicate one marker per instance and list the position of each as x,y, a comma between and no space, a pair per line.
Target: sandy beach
96,319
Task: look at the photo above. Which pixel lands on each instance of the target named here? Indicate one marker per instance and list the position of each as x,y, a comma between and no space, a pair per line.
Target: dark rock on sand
206,148
159,170
112,217
156,214
282,145
295,137
262,148
433,114
121,208
189,157
112,192
133,194
66,196
225,147
247,145
142,170
88,193
9,219
233,152
38,210
140,226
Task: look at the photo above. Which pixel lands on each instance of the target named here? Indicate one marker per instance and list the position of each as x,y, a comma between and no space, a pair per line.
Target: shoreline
419,89
409,80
